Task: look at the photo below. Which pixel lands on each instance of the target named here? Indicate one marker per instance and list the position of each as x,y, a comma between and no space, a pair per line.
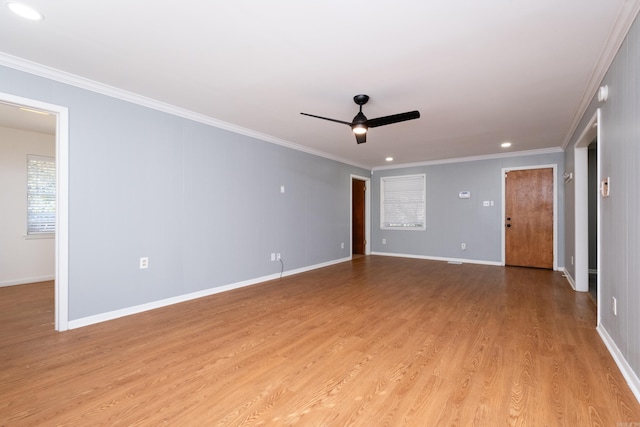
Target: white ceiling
479,72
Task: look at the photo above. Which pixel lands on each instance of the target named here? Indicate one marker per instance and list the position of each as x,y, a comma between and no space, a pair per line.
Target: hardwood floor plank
376,341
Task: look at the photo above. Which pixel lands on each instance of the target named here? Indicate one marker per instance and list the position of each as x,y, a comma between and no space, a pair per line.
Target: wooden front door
529,218
358,242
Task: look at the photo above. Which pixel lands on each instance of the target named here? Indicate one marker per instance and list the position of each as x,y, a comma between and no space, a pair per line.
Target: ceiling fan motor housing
361,99
359,122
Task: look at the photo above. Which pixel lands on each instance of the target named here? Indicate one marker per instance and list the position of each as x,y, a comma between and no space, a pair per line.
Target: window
403,202
41,195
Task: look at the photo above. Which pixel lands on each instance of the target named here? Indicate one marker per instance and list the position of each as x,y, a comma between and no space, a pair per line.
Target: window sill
39,236
404,228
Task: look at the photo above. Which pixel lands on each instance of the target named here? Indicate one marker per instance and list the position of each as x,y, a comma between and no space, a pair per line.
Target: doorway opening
587,210
62,202
360,215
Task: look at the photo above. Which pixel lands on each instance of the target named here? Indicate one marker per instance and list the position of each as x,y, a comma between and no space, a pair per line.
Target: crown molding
473,158
625,19
60,76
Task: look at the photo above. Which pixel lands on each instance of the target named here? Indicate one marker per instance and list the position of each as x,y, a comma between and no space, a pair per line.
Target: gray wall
451,220
620,213
204,204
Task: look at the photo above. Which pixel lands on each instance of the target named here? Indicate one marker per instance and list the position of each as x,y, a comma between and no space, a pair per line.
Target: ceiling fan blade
395,118
361,138
326,118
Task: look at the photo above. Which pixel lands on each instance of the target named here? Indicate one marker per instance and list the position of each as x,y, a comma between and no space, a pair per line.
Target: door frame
62,203
581,206
367,213
555,208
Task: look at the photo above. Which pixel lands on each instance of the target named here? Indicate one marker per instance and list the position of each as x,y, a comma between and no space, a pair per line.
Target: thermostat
464,194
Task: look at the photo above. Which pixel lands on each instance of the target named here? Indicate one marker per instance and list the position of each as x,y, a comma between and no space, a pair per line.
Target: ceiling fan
361,124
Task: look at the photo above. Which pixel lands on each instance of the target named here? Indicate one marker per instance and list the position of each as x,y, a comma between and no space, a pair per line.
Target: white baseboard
570,279
26,281
111,315
433,258
627,372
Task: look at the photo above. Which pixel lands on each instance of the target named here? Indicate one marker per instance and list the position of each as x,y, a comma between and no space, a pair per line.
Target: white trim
26,281
581,216
62,219
553,150
62,202
111,315
626,370
553,166
626,16
367,212
599,222
435,258
581,202
93,86
569,278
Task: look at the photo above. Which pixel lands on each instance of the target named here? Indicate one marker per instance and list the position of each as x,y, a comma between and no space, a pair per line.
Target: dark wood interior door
529,218
358,242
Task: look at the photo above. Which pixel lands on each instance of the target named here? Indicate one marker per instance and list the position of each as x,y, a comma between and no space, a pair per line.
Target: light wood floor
378,341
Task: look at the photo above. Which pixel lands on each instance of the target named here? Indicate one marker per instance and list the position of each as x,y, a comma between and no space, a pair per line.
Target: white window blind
403,202
41,194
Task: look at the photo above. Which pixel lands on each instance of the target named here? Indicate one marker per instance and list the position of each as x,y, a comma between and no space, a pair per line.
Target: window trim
383,181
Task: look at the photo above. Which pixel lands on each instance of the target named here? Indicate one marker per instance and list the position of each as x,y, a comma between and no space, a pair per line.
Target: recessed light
389,159
25,11
505,144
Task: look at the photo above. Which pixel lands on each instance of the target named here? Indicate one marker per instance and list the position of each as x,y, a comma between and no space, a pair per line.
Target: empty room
343,213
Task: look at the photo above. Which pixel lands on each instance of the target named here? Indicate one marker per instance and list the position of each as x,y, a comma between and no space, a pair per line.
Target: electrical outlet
273,256
342,245
571,259
384,241
614,305
278,257
144,262
463,246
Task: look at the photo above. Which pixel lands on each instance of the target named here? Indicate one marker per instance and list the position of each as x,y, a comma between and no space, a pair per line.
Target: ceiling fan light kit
359,129
360,124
